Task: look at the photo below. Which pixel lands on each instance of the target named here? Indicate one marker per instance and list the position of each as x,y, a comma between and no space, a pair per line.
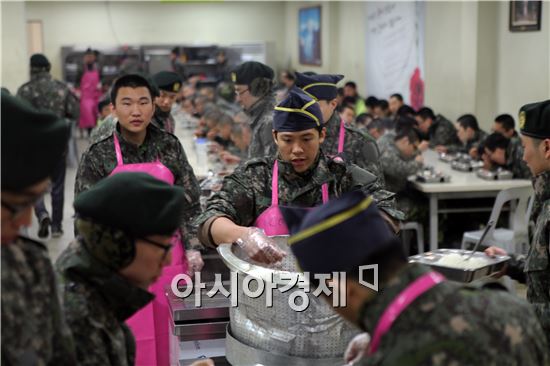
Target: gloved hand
260,247
357,348
194,261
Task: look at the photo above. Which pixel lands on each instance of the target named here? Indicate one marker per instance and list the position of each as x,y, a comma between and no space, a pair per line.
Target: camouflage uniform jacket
46,93
478,138
537,264
100,160
456,324
261,116
103,130
385,141
164,120
97,301
397,169
514,160
33,327
246,193
442,132
359,147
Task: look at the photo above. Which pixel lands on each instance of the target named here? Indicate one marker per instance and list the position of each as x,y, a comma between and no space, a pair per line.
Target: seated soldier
125,224
376,128
223,131
240,140
438,130
501,152
382,109
469,134
414,315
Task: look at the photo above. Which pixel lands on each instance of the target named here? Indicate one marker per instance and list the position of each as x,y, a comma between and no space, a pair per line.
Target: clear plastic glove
357,348
194,261
260,247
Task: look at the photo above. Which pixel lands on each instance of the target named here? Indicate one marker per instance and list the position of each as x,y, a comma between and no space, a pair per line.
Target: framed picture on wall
525,15
309,35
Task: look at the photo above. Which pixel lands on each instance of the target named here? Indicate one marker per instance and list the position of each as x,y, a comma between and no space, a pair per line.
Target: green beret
33,143
534,120
167,81
135,203
246,72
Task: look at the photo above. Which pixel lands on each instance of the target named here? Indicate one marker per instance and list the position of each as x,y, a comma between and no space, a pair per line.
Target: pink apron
341,137
400,303
89,97
271,220
151,324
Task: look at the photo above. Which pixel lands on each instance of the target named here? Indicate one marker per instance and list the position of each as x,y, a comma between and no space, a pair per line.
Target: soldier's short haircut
405,122
410,133
397,96
363,118
131,81
468,120
507,121
351,84
238,128
225,120
376,124
425,113
371,101
406,110
495,141
383,103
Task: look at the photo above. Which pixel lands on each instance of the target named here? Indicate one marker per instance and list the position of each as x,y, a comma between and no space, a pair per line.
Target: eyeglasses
16,210
239,93
166,247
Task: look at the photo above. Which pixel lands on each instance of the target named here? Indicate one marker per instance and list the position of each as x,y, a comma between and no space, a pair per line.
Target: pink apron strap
275,185
400,303
341,137
324,190
117,150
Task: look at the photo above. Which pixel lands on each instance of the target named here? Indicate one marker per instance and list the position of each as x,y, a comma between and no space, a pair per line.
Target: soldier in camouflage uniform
415,316
253,89
438,130
152,144
119,252
169,84
359,147
469,134
502,152
49,94
33,326
303,170
535,269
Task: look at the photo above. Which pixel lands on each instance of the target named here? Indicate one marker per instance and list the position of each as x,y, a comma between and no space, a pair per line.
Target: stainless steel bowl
316,333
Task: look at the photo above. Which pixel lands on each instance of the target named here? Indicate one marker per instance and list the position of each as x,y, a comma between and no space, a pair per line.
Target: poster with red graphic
395,50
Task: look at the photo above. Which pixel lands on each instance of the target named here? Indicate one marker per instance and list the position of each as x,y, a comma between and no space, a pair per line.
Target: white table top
462,181
187,139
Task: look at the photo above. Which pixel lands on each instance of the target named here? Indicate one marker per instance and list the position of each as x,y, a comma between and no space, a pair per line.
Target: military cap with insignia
38,60
319,87
338,236
297,112
246,72
33,143
534,120
135,203
167,81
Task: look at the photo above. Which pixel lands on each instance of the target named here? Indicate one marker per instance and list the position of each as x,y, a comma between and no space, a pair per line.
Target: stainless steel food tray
458,274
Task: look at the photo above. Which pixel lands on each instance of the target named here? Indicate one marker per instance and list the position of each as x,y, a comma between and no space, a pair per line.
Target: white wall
523,67
88,23
15,59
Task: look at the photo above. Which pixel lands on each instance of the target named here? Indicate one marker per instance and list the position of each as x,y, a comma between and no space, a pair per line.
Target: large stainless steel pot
316,333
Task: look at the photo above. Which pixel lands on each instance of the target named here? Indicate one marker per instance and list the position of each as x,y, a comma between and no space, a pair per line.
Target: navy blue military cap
338,236
246,72
297,112
319,87
168,81
534,120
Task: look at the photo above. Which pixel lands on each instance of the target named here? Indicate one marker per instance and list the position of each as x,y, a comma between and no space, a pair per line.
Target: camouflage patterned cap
534,120
135,203
33,143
